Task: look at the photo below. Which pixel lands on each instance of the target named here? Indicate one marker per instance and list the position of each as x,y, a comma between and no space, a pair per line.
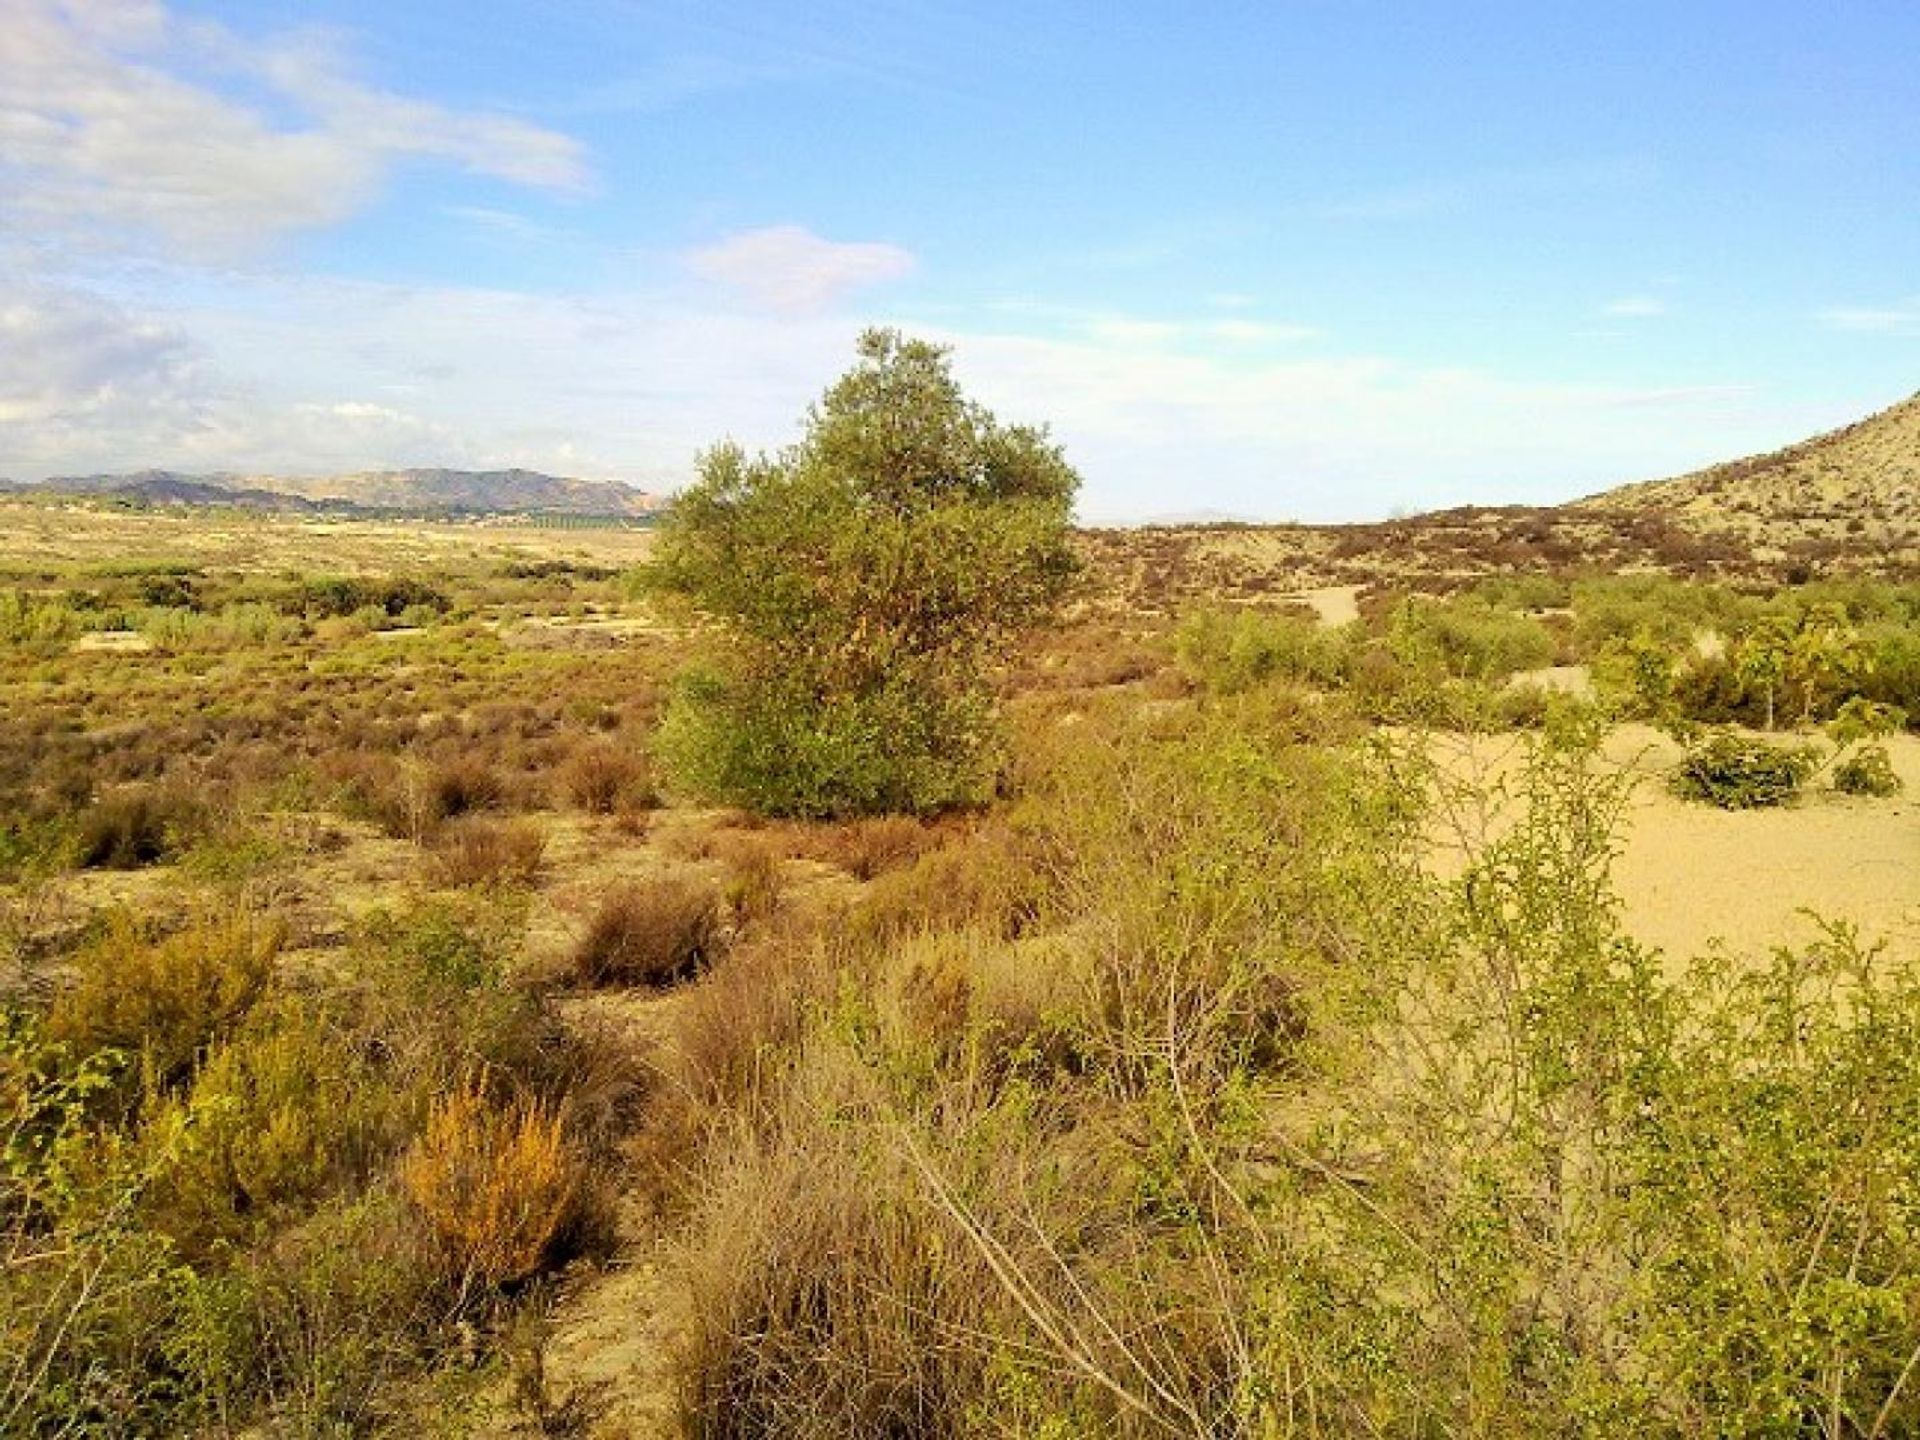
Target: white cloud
66,356
630,385
792,271
1635,307
1900,318
108,122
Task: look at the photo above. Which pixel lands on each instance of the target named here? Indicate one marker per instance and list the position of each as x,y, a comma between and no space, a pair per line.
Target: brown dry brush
650,932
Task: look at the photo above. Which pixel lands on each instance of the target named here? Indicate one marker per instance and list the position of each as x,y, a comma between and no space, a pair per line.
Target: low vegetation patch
650,932
1743,772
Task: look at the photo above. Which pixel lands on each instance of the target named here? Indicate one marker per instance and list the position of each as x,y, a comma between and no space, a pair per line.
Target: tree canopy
860,586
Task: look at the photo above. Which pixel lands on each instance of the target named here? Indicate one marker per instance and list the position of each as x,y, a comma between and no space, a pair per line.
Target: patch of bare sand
1690,876
1332,605
113,642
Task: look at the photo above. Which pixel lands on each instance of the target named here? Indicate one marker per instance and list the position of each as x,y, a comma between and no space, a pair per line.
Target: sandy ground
1332,604
1690,876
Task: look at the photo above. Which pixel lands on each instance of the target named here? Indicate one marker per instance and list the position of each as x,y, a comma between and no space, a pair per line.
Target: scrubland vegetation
377,980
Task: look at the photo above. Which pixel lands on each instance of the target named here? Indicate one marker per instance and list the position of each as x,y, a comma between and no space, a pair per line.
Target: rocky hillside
485,492
1860,484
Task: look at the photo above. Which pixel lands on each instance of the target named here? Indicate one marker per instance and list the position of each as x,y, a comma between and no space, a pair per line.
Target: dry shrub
601,777
749,1008
992,877
827,1298
460,785
165,1000
994,1006
650,932
752,884
477,851
496,1183
866,848
374,787
133,826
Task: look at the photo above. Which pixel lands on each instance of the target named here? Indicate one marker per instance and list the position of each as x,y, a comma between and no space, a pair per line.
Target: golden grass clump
497,1184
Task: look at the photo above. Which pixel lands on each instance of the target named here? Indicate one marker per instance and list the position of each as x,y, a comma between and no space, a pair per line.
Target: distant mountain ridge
485,492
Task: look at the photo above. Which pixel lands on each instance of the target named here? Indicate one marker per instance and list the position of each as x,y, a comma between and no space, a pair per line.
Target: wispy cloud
110,123
790,270
1635,307
1900,318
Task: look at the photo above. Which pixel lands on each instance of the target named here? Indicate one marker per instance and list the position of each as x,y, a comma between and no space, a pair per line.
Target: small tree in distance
861,585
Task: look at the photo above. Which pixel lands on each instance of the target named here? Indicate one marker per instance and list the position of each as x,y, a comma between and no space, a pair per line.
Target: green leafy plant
1741,772
861,584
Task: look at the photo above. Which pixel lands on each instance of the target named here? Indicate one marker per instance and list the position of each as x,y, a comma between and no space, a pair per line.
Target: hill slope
493,492
1860,481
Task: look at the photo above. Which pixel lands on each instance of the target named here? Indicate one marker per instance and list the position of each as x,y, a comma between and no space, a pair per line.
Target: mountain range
1856,485
421,491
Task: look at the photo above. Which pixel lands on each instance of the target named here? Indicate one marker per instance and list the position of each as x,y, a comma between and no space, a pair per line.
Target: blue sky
1309,260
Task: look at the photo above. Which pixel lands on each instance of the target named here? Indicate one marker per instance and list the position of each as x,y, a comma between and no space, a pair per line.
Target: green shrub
1467,638
164,1000
863,584
773,745
283,1114
1234,651
37,624
1867,771
1741,772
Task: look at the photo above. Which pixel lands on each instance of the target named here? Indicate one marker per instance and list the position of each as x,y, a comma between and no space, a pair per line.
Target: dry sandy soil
1690,876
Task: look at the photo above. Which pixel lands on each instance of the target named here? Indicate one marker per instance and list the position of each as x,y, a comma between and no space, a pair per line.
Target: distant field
39,535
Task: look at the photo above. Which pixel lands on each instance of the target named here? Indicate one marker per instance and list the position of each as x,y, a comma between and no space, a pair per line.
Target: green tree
859,587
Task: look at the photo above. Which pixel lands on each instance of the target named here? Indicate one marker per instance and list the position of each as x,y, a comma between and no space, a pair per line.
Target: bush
477,851
461,785
1867,771
1234,651
867,848
164,1000
1741,772
650,932
864,582
497,1184
770,743
600,777
1468,638
285,1113
134,826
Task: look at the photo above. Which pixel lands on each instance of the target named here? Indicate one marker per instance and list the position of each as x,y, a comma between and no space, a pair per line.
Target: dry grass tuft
474,851
650,932
601,778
